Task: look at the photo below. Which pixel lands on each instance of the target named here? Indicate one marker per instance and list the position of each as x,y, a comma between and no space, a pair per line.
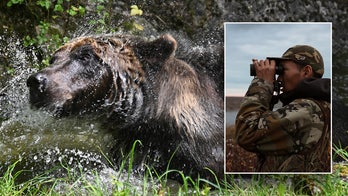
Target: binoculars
278,68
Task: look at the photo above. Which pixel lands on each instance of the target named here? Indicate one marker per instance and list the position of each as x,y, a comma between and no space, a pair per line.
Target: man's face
292,75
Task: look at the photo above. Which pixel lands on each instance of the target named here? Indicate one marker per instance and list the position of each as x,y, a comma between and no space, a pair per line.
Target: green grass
153,183
341,152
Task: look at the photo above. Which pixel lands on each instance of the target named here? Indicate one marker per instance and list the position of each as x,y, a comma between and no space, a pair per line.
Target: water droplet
70,161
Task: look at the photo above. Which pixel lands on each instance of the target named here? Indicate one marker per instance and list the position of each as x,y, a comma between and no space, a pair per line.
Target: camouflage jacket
293,138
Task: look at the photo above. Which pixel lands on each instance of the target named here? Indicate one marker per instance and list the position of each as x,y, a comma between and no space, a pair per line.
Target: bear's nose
37,82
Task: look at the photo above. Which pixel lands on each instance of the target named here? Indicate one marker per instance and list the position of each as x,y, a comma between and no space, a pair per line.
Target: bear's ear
156,51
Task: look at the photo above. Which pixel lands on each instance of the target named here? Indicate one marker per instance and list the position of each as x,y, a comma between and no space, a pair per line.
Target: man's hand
265,69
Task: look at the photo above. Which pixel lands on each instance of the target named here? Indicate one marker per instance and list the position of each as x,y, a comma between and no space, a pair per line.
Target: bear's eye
85,57
53,58
84,53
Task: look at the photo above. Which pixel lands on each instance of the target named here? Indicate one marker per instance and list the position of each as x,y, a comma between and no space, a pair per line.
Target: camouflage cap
305,55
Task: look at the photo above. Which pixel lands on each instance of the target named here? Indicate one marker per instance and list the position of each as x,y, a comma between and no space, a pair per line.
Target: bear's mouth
44,101
57,106
57,109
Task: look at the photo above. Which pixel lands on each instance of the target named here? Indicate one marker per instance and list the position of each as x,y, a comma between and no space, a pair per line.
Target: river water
230,117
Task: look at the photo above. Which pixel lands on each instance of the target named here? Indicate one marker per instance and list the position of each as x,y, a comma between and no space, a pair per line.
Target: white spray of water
42,142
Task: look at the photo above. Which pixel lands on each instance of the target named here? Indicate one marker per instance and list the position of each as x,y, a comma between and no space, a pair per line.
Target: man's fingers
255,62
272,63
261,64
267,63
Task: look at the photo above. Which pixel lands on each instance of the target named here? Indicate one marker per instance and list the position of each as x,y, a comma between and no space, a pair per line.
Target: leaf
135,11
74,8
71,11
12,2
82,10
100,8
205,191
58,8
101,21
44,3
138,26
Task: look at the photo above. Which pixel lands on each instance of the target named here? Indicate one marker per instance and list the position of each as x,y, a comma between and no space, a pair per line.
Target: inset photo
278,98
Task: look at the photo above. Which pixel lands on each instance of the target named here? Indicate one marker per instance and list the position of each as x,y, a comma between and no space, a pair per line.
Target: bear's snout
37,82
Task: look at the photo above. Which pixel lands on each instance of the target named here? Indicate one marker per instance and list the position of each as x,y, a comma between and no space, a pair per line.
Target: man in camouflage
296,136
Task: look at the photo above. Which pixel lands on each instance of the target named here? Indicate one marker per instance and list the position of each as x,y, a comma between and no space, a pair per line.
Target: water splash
40,141
12,91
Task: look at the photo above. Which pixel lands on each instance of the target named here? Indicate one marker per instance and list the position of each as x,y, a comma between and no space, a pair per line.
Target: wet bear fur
141,91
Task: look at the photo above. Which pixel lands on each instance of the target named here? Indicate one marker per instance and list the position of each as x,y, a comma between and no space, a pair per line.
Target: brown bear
141,91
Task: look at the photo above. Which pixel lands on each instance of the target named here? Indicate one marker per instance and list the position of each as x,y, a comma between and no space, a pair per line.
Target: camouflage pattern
305,55
293,138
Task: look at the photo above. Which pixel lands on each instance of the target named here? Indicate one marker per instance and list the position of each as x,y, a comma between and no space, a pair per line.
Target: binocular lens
278,70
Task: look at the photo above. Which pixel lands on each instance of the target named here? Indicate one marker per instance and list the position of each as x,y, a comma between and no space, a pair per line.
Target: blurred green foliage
56,21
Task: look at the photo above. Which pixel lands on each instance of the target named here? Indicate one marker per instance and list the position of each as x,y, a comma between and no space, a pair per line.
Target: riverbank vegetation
152,183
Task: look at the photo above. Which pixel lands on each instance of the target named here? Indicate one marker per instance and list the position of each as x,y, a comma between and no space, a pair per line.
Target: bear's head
89,73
